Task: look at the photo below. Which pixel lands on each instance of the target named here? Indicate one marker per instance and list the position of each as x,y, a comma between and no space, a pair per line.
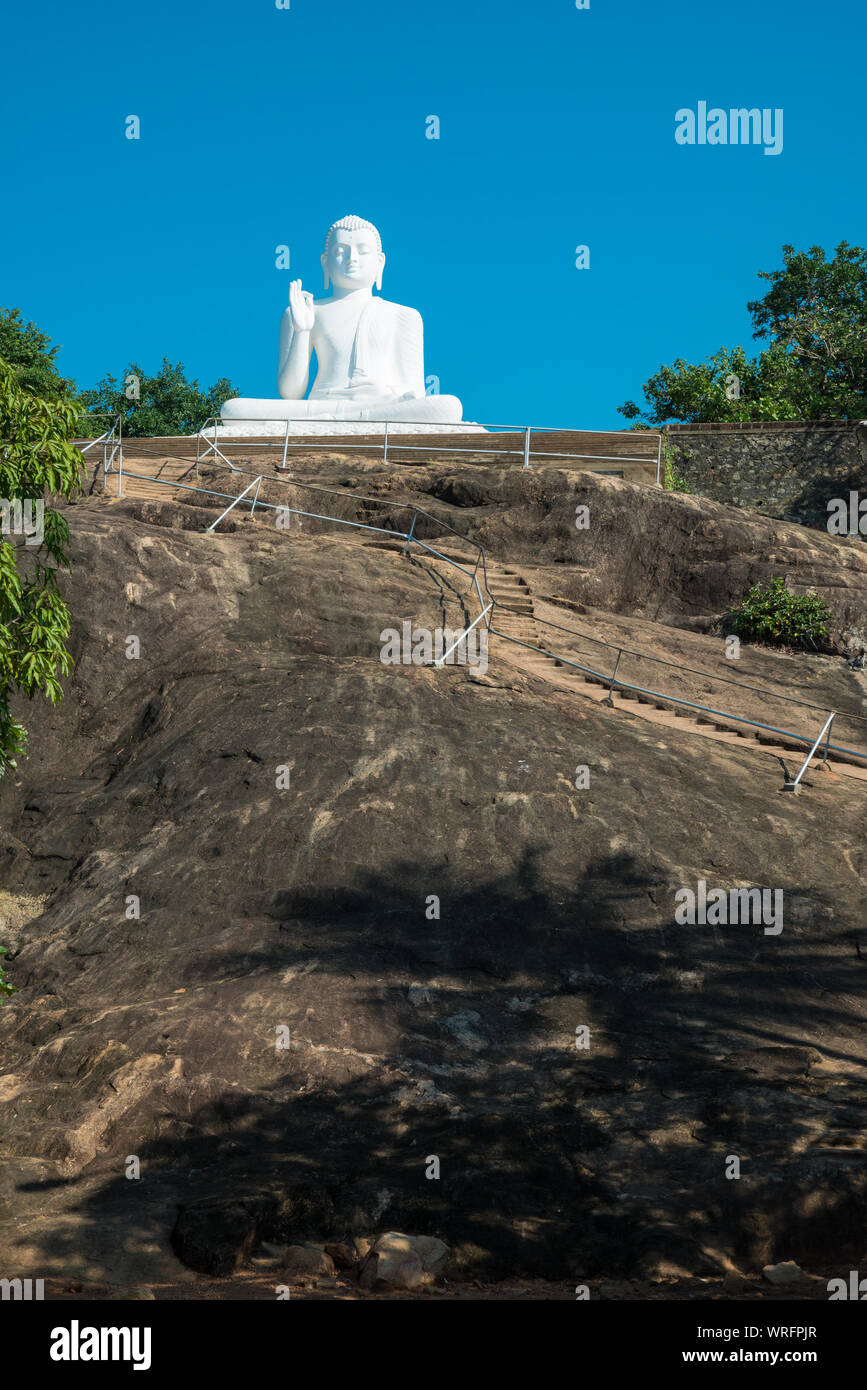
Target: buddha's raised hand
301,308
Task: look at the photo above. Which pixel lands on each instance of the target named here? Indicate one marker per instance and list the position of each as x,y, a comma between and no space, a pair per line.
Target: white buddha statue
369,353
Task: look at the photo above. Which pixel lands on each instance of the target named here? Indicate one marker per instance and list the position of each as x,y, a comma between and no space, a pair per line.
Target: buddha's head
353,258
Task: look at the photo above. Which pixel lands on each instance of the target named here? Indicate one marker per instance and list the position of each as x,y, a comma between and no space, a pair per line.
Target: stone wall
785,469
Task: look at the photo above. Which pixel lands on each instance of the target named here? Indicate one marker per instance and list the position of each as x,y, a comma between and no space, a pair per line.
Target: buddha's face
353,261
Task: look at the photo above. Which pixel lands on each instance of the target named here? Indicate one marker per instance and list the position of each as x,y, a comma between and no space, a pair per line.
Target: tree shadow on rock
438,1081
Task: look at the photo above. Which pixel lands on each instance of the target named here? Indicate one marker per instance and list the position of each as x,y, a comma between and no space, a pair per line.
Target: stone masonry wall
784,469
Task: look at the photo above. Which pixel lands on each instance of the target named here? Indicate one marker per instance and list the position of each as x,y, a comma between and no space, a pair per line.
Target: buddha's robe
377,373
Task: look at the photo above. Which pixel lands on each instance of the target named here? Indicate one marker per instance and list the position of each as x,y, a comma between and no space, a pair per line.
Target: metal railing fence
408,536
525,432
610,678
111,440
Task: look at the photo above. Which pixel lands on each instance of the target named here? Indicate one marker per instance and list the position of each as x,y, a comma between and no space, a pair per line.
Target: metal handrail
214,422
98,440
109,439
97,415
679,666
359,497
605,679
410,536
440,424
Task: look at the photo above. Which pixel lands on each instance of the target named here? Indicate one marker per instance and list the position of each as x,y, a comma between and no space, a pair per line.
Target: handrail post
234,502
203,435
659,459
256,494
527,447
120,463
411,530
828,741
791,785
441,660
610,699
385,444
285,445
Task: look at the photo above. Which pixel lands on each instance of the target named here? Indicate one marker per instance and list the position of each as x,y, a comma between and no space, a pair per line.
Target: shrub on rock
771,613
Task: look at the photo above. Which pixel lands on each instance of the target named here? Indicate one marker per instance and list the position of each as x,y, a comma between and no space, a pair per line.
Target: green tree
817,310
167,403
37,457
815,366
769,387
31,355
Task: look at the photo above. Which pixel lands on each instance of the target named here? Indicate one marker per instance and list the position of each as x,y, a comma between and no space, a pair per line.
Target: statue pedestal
276,429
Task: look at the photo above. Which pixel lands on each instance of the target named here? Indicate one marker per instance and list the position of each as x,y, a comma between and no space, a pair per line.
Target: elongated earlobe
326,277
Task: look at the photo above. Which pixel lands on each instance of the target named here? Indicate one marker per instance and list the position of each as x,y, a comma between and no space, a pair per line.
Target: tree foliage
817,310
815,366
162,404
672,478
38,462
167,403
31,356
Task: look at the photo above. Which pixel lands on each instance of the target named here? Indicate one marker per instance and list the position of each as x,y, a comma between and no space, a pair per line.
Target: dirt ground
250,1286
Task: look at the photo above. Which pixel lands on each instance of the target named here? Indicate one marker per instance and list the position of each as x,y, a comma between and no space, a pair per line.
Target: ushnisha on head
353,257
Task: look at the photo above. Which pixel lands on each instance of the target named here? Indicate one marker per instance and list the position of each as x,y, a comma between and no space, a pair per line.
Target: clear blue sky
261,126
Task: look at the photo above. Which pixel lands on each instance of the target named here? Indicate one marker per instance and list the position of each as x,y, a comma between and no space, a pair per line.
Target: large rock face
668,557
421,920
